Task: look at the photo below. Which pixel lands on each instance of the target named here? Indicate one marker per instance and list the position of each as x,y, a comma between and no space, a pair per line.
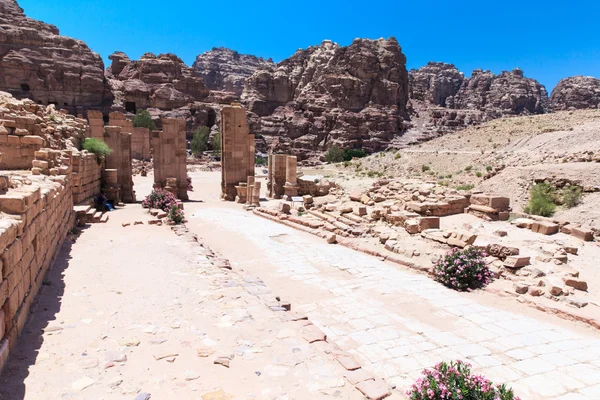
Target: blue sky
548,39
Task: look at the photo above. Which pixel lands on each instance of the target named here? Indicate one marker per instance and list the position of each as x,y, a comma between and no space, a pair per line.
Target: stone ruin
52,186
237,156
169,146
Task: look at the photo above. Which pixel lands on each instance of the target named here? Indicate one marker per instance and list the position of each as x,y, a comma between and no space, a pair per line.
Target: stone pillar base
291,190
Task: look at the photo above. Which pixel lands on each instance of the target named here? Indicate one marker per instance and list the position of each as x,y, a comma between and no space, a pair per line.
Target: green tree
216,143
143,119
540,200
334,155
200,140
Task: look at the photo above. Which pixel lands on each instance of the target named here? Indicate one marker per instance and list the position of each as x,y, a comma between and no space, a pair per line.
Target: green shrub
200,140
371,174
349,154
425,168
397,156
571,196
143,119
96,146
478,174
258,160
540,200
334,155
468,168
465,187
449,176
488,168
216,143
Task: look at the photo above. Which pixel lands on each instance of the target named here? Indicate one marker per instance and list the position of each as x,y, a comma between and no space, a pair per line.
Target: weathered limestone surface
35,220
237,150
37,63
170,156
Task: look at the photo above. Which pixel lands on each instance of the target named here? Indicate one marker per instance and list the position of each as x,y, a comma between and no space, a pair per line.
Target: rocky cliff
353,96
443,100
227,70
576,92
37,63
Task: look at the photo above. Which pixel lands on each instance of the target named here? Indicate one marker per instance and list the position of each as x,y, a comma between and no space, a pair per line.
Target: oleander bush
463,269
454,381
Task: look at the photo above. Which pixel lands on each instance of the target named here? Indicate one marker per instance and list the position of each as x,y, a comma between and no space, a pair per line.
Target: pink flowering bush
454,382
165,201
463,269
160,199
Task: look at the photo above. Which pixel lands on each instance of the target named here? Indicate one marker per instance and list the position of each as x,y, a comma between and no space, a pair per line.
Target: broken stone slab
587,235
347,361
82,383
521,288
516,262
313,334
357,376
373,390
523,223
576,283
545,228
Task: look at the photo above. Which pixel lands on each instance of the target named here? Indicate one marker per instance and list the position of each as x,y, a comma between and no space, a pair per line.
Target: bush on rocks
454,381
463,269
167,202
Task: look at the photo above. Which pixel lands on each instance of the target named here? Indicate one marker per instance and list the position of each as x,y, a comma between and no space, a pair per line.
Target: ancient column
291,184
237,150
250,184
270,175
96,122
256,194
170,157
278,178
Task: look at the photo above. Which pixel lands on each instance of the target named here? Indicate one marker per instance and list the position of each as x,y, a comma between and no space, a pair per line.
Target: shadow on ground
43,311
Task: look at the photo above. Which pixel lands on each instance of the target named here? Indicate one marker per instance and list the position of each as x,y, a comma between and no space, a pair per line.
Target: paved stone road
397,322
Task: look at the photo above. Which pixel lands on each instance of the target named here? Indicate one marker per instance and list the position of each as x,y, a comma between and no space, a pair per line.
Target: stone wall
86,175
140,144
17,144
96,125
35,221
169,147
237,150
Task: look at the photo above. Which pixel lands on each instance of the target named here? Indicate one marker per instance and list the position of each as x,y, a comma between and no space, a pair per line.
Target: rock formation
435,82
352,96
443,100
509,93
37,63
162,81
226,70
576,92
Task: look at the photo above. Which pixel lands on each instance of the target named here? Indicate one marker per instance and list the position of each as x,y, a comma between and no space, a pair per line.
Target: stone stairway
86,214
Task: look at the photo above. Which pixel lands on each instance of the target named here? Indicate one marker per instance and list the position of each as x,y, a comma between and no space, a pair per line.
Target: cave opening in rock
130,107
25,87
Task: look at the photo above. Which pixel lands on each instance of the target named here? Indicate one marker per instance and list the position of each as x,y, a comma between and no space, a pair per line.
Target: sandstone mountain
37,63
444,100
226,70
352,96
576,92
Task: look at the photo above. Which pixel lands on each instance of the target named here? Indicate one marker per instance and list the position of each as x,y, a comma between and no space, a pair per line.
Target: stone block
374,390
584,234
516,262
428,223
14,140
412,226
360,210
523,223
499,203
480,199
31,140
575,283
544,227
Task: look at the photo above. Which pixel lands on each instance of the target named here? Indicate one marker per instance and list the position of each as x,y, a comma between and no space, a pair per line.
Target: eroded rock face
509,93
162,81
227,70
39,64
435,83
576,92
352,96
